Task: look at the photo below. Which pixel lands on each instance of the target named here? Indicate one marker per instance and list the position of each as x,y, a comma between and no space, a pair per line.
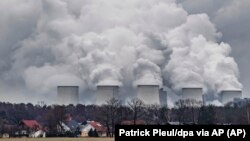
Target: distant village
41,120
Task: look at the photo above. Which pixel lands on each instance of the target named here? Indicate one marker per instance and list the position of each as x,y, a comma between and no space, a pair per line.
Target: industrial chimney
192,93
149,94
163,97
105,93
67,95
229,95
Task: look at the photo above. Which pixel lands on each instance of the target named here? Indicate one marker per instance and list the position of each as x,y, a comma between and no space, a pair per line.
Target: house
30,124
131,122
5,135
30,128
70,125
73,125
94,126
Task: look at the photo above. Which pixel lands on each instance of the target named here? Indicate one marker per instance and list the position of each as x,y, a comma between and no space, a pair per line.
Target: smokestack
229,95
149,94
105,93
163,97
68,95
192,93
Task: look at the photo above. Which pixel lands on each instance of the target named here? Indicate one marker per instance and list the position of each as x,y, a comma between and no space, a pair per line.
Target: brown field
58,139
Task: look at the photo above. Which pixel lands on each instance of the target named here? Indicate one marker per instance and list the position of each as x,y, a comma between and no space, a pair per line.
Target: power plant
149,94
163,97
229,95
105,93
192,93
68,95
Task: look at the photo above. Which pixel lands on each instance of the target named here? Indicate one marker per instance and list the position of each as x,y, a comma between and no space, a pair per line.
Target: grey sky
232,19
45,43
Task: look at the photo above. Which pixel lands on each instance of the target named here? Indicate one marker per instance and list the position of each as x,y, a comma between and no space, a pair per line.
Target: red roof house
31,124
88,125
97,126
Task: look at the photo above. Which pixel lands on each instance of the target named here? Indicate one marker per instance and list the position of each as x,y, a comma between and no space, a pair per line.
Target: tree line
113,112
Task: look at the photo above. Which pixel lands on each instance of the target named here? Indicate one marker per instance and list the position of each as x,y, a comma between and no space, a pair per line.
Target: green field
58,139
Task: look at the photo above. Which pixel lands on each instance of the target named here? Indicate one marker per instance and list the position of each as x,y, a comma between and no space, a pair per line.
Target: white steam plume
91,42
198,60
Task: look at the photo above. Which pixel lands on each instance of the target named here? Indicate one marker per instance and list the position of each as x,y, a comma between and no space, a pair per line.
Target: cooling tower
192,93
229,95
163,97
67,95
149,94
105,93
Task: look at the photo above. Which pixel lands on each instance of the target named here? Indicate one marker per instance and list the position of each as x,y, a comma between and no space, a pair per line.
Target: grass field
58,139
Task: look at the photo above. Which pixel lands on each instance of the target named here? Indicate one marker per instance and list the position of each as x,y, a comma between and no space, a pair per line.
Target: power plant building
67,95
105,93
163,97
192,93
229,95
149,94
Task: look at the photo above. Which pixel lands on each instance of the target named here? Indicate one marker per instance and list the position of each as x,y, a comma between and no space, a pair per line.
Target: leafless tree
111,114
187,110
152,114
180,108
137,107
114,105
247,107
194,106
54,117
164,114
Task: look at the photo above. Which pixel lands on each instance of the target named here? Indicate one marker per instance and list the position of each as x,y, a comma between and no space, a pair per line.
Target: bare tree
181,108
137,106
187,110
111,114
247,107
164,115
194,106
54,117
50,121
152,114
114,105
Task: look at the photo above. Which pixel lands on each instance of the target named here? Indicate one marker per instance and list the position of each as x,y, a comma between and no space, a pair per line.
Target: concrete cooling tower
229,95
192,93
68,95
149,94
163,97
105,93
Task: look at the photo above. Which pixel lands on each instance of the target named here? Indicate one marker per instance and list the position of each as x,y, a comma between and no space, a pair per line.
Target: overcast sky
232,20
46,43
